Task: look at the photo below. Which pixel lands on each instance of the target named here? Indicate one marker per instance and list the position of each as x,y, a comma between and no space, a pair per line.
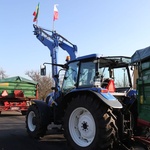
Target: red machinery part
143,123
145,140
18,93
19,105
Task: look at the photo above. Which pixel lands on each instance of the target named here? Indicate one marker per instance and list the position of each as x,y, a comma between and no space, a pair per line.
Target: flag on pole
55,17
35,13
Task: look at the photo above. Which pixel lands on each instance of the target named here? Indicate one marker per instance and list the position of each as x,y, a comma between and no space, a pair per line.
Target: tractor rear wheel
89,124
34,125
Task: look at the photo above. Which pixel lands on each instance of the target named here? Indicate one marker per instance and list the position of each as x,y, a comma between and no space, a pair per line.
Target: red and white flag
55,12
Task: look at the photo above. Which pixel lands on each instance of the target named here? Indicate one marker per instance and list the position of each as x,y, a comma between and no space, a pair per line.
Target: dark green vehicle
141,61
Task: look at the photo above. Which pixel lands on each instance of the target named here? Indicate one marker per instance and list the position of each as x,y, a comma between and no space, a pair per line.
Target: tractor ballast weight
96,106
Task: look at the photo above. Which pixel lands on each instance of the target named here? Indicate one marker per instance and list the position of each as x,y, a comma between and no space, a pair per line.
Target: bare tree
44,83
2,74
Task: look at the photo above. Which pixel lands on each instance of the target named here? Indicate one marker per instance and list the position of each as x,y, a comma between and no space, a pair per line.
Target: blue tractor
95,106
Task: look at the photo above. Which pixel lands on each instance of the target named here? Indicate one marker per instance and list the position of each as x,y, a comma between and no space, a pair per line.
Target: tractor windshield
70,78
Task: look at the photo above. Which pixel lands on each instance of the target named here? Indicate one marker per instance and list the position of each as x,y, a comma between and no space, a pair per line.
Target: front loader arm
53,41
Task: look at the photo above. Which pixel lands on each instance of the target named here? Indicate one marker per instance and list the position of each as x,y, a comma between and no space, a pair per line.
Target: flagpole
55,15
53,26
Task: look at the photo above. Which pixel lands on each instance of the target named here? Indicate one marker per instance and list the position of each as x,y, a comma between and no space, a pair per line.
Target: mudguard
44,110
107,97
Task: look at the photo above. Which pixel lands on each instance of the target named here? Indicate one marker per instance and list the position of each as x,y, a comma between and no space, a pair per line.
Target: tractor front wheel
34,125
89,124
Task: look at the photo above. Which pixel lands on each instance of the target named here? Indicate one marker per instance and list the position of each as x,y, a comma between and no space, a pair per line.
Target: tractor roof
108,61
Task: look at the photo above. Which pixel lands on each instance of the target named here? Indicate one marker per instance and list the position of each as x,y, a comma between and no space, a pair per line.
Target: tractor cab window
87,74
119,75
70,78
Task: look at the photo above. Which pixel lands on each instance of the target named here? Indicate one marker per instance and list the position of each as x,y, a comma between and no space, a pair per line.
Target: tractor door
70,78
87,74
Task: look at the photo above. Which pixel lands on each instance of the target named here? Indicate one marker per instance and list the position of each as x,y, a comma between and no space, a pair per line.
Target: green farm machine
16,94
141,62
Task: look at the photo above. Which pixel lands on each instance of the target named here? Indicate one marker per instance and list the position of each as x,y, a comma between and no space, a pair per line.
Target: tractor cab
111,73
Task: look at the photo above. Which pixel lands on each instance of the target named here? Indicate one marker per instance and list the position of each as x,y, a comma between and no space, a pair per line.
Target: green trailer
16,93
143,87
141,58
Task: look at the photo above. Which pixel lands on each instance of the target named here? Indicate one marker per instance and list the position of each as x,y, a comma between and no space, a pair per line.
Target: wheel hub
34,120
86,126
82,127
31,121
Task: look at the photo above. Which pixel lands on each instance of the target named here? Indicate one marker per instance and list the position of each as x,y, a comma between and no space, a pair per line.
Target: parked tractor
96,106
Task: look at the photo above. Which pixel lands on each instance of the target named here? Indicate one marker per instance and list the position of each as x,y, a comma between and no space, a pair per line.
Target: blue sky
106,27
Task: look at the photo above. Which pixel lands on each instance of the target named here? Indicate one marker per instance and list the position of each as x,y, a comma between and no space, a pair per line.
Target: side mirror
43,70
